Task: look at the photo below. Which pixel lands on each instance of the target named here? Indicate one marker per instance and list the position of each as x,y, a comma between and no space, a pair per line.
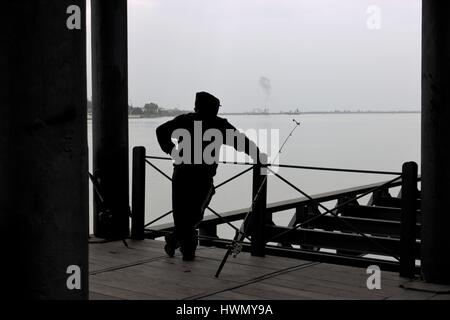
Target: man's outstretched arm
242,143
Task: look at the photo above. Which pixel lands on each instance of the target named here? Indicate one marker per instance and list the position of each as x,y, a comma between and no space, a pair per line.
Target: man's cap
204,99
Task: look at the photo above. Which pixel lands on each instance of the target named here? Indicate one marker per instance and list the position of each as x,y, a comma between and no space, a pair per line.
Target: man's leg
179,213
171,244
204,191
184,194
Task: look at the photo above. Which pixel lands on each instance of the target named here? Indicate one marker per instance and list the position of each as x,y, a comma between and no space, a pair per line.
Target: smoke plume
265,86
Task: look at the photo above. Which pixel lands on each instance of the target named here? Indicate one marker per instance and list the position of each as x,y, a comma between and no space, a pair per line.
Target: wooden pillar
138,195
435,145
110,115
43,150
408,220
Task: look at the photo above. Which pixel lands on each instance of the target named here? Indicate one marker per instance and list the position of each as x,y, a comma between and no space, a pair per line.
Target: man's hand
263,162
262,159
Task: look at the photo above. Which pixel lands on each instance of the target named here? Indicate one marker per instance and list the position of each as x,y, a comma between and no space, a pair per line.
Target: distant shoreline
280,113
315,112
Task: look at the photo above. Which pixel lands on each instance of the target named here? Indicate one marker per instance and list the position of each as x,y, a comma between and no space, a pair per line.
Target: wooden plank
99,296
352,270
125,256
115,254
142,284
232,295
354,282
325,196
376,212
371,226
412,295
357,277
424,286
105,264
335,240
273,291
329,285
244,258
394,202
117,293
203,270
441,297
135,247
95,265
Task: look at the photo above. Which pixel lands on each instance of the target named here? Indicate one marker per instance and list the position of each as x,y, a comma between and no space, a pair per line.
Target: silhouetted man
199,135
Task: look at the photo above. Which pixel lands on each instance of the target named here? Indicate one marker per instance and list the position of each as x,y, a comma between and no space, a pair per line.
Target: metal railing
387,226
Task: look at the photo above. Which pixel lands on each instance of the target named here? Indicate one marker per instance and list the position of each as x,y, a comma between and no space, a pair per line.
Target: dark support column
435,141
259,218
110,115
43,150
408,220
138,194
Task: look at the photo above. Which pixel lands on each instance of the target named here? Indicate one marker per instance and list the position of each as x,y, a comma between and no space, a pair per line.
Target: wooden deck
143,271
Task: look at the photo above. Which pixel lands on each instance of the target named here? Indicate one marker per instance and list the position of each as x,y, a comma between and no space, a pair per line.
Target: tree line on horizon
149,110
154,110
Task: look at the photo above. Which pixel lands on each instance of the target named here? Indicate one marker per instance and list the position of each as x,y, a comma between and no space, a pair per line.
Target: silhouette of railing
386,226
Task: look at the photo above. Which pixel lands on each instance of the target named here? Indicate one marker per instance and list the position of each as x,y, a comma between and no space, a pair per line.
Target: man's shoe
188,255
171,245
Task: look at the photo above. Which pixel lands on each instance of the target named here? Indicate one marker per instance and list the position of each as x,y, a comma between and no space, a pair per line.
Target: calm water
358,141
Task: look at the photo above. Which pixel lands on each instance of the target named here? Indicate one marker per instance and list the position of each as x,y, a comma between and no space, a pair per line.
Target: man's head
207,104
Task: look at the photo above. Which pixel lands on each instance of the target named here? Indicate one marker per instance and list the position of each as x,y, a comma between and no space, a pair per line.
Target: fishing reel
105,217
236,248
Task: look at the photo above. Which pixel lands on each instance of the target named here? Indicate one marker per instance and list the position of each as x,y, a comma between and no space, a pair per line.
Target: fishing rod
235,247
105,213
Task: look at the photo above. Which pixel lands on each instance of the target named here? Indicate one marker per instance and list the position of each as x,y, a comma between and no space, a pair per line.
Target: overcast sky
313,54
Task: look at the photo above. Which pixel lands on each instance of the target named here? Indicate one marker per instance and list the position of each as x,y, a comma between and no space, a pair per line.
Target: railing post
208,230
138,194
258,221
408,220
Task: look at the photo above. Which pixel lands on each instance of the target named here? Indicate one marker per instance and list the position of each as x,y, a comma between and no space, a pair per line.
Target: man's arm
164,134
242,143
